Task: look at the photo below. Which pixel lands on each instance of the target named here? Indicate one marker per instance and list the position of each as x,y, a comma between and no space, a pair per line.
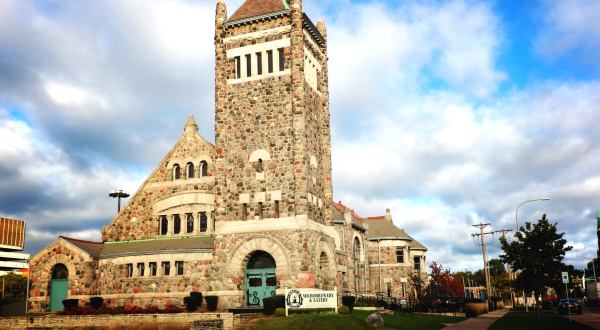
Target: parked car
573,304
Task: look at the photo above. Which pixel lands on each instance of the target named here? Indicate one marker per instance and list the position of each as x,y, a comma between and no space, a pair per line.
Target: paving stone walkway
480,322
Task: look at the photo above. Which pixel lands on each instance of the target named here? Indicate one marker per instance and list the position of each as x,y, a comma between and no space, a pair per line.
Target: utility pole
486,266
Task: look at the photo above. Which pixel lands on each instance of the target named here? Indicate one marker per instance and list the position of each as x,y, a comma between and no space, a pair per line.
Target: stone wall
62,322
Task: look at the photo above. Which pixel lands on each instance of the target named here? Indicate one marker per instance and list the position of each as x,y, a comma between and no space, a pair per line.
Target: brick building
252,214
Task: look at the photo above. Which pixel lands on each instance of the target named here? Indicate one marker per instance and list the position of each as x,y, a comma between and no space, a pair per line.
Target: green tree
15,287
537,252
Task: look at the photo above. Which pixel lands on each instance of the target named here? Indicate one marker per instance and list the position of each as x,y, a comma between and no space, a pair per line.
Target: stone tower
272,128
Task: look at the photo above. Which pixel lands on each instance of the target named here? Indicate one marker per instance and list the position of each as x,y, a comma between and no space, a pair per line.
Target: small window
270,61
271,281
190,223
254,282
259,63
399,255
140,269
176,224
238,67
179,267
417,263
259,166
248,65
281,59
203,222
166,268
189,170
129,270
164,225
259,210
203,168
244,211
276,209
152,266
176,172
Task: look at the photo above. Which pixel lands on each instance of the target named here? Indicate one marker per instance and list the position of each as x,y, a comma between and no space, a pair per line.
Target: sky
449,113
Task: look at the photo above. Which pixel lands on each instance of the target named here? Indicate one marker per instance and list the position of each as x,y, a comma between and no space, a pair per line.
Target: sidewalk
480,322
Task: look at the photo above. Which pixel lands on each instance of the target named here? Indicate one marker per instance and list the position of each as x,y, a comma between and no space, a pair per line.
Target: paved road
480,322
590,317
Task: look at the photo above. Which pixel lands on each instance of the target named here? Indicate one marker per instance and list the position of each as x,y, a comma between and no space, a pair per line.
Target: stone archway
326,270
260,280
59,286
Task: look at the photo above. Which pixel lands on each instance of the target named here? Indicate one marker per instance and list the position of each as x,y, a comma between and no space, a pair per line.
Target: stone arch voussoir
243,251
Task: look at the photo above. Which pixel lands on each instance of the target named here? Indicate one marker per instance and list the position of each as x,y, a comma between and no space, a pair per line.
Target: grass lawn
355,321
527,321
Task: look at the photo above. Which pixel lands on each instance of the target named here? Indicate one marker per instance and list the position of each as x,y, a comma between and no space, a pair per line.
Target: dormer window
189,170
203,168
176,172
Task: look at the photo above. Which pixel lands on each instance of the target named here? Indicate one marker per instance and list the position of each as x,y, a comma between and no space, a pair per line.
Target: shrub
344,309
96,302
70,304
211,303
190,303
152,309
279,311
474,309
271,303
196,296
349,301
394,307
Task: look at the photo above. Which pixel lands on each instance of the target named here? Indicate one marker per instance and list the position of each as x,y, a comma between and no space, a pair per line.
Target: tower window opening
259,166
179,267
129,270
248,65
164,225
238,67
152,266
270,61
203,222
140,269
189,170
276,211
203,168
259,211
259,63
176,224
166,268
399,255
176,172
281,59
189,223
244,211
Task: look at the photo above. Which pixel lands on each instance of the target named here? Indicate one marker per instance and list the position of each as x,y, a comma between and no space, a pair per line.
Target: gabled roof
381,228
99,250
338,213
253,8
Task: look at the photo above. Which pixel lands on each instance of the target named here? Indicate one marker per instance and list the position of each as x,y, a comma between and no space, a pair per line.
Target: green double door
58,292
260,284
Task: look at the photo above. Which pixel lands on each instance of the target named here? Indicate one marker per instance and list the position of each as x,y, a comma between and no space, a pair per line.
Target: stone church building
251,214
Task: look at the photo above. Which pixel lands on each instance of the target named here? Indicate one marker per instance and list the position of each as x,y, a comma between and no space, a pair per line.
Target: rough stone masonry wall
145,320
81,273
390,270
136,220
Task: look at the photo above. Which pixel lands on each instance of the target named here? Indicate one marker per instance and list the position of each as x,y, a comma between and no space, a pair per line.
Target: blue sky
447,112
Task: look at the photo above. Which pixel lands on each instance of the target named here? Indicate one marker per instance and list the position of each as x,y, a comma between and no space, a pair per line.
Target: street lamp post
118,194
517,230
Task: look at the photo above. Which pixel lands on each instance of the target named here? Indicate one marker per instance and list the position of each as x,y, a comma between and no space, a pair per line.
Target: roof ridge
78,240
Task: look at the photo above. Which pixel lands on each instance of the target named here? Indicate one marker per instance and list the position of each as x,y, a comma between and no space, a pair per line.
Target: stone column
197,223
171,223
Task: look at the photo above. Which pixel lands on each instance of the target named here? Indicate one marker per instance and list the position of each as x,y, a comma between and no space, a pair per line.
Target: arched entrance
260,279
59,287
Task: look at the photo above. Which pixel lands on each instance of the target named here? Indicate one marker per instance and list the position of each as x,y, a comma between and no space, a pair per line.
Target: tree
537,252
445,283
15,287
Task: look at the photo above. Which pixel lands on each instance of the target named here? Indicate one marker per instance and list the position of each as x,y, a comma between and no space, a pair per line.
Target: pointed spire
190,126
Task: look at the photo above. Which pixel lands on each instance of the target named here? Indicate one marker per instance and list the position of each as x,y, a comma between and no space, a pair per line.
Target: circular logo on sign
294,299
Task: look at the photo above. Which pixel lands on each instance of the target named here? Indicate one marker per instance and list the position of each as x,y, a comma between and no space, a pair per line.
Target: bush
349,301
279,311
211,303
96,302
190,303
366,302
70,304
271,303
394,307
344,310
196,296
151,309
474,309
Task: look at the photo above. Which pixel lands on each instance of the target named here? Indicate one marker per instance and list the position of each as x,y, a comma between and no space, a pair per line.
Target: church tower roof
253,8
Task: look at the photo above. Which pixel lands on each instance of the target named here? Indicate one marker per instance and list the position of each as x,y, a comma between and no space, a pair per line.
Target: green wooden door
260,283
58,293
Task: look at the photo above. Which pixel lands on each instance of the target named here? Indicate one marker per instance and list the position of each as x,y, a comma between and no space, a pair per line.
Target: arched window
164,225
176,224
176,172
203,222
261,260
190,223
203,168
189,170
60,271
259,166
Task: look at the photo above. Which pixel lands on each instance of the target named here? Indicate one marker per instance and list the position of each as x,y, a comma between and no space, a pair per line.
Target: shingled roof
152,246
254,8
381,228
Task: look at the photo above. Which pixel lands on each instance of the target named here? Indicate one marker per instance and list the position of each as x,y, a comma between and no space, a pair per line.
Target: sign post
310,299
565,280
